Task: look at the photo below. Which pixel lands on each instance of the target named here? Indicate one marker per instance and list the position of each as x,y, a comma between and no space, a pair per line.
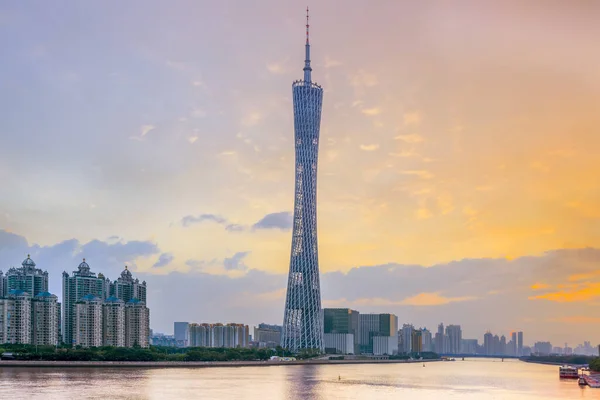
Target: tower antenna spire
307,27
307,68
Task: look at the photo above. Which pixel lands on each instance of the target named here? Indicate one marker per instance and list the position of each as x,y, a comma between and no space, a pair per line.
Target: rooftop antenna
307,68
307,26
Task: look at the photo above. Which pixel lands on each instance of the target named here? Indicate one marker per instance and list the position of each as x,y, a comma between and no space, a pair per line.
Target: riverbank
191,364
557,363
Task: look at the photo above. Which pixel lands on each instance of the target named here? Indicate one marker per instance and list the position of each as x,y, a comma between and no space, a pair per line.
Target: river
479,379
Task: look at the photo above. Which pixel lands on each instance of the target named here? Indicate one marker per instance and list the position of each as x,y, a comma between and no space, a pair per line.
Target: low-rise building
339,343
266,337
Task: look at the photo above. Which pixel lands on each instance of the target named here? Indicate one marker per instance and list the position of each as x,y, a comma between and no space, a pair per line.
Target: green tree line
595,364
154,353
427,355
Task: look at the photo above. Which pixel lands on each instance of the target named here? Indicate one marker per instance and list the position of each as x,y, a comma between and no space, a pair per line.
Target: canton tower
303,319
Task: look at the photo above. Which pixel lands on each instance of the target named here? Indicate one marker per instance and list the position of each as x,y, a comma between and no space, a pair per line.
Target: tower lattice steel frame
303,318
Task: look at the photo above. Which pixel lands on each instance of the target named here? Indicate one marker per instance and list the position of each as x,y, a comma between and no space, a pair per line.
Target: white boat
568,372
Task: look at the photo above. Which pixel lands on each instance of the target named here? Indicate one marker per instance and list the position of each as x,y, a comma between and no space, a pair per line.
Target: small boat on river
568,372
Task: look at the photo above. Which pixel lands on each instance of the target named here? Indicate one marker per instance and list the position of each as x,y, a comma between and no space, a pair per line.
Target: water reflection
471,379
303,383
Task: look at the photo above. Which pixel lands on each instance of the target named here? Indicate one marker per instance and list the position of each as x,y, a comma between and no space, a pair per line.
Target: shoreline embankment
556,363
192,364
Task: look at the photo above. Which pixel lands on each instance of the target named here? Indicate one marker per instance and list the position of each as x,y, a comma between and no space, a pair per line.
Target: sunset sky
459,168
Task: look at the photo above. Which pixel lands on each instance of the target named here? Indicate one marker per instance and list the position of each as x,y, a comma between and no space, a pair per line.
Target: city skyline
127,288
456,172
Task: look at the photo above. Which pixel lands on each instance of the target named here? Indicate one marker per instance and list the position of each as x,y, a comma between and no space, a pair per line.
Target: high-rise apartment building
439,340
219,335
496,345
113,322
15,318
454,334
469,346
45,319
503,346
137,324
417,341
427,342
3,288
520,344
236,335
87,319
201,335
513,346
28,278
488,344
342,320
407,333
83,282
303,319
87,322
28,313
127,288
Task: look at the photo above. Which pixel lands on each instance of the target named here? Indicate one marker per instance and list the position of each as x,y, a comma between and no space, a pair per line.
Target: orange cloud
423,213
582,277
412,138
539,286
576,319
422,299
433,299
371,111
412,118
420,173
577,293
369,147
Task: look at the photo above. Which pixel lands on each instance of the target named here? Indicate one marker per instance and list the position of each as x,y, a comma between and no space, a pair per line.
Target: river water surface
479,379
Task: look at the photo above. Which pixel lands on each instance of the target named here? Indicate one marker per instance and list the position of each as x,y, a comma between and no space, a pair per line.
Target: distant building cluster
160,339
546,348
95,311
211,335
347,331
499,346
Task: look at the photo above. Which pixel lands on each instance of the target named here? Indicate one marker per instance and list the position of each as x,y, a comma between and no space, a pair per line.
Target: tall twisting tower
303,319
